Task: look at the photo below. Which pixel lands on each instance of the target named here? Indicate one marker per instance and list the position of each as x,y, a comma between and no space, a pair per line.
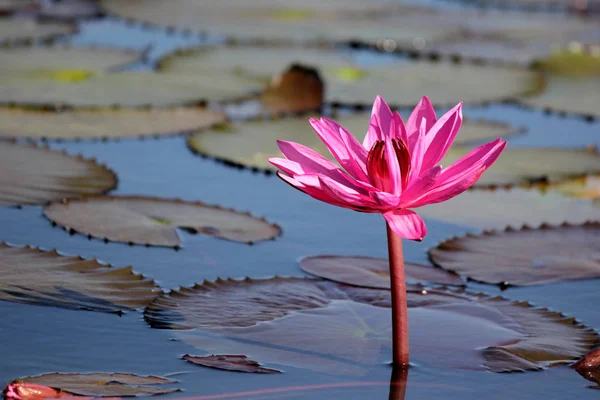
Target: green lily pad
572,84
400,83
586,187
531,165
287,315
524,257
34,175
47,278
104,123
252,143
498,209
16,30
100,384
371,272
154,221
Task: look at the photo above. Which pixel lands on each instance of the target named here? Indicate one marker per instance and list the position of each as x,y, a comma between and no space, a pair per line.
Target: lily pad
154,221
78,88
371,272
572,84
228,362
34,276
252,143
586,187
479,332
8,7
68,9
501,208
538,5
103,384
34,175
103,123
589,367
62,63
524,257
15,30
400,83
532,165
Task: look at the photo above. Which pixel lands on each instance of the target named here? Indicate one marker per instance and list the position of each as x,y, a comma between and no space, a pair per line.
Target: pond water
36,340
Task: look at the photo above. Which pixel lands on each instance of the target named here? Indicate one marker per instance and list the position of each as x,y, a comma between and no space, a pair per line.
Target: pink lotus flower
393,170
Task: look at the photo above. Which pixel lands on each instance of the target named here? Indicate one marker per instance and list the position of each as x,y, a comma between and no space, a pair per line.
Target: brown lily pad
251,68
103,384
589,367
104,123
372,272
228,362
34,276
524,257
306,323
17,30
154,221
252,143
34,175
487,209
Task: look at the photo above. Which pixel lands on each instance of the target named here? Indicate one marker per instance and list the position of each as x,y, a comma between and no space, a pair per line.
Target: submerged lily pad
228,362
34,175
34,276
102,123
498,209
63,63
400,83
252,143
572,84
28,29
371,272
524,257
154,221
102,384
531,165
288,315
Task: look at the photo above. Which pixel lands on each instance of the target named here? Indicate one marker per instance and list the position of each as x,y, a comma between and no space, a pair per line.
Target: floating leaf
524,257
529,165
539,5
401,83
371,272
298,89
127,89
252,143
589,367
500,208
8,7
239,363
58,62
33,276
154,221
100,123
102,384
587,187
36,175
572,84
25,29
68,9
288,315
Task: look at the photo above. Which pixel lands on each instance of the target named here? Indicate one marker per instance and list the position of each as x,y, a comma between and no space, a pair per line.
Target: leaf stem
399,308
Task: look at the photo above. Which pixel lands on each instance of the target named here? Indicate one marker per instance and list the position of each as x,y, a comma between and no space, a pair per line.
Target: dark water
36,340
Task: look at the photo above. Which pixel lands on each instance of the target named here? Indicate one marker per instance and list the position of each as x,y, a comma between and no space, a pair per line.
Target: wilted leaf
307,323
527,165
101,123
297,89
572,84
589,367
371,272
252,143
33,276
526,256
346,82
498,209
36,175
25,29
103,384
229,362
154,221
62,63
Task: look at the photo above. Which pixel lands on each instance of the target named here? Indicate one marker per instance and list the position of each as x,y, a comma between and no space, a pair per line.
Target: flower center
377,164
